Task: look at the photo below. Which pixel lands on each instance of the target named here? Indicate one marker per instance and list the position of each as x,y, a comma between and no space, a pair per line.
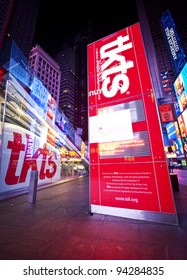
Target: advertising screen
180,87
182,121
174,139
39,94
175,48
128,169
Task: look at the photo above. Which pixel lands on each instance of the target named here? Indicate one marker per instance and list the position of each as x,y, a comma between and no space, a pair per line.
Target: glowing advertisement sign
51,108
128,170
39,94
180,87
174,138
18,66
182,121
166,113
174,44
45,103
23,152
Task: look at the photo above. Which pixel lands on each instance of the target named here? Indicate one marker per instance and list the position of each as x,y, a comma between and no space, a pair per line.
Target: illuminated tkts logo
110,53
16,146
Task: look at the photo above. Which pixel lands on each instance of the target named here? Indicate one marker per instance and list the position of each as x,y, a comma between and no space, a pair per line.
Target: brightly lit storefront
35,136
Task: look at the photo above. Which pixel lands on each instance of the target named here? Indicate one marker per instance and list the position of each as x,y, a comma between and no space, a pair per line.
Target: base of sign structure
150,216
89,213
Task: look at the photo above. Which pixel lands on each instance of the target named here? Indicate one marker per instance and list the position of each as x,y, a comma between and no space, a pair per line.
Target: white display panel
108,127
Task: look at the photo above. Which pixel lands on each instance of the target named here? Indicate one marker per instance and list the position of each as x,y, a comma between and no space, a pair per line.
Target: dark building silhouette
162,71
17,22
81,91
73,100
66,59
6,7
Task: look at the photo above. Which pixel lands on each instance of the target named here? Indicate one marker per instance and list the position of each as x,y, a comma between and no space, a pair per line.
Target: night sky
55,23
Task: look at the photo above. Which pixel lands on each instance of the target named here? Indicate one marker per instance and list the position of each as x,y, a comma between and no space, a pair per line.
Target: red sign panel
128,168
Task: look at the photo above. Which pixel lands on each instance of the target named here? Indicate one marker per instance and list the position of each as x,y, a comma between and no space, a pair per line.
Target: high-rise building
73,98
66,59
82,39
6,7
160,63
17,23
47,70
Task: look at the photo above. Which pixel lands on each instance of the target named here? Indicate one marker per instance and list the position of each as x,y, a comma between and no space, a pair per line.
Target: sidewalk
59,227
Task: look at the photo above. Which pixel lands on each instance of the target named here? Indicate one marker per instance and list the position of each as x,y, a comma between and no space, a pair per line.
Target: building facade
47,70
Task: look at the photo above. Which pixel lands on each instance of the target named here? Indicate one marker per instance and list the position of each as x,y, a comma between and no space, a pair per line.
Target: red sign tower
129,175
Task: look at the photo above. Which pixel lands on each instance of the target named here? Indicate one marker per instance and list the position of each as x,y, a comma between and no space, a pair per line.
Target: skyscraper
161,68
82,39
17,22
66,59
72,59
6,7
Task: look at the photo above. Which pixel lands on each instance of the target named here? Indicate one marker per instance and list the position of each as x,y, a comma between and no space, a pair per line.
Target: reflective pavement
59,227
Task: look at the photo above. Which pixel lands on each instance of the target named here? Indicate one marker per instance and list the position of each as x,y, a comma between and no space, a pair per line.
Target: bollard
174,182
33,187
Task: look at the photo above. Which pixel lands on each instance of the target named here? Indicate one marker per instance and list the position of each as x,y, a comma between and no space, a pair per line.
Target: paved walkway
59,227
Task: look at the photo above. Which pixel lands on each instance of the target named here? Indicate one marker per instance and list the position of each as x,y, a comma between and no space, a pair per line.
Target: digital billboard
182,121
180,87
40,95
174,139
128,169
176,51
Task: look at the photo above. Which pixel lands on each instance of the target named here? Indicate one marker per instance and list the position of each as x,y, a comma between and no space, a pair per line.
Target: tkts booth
128,169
